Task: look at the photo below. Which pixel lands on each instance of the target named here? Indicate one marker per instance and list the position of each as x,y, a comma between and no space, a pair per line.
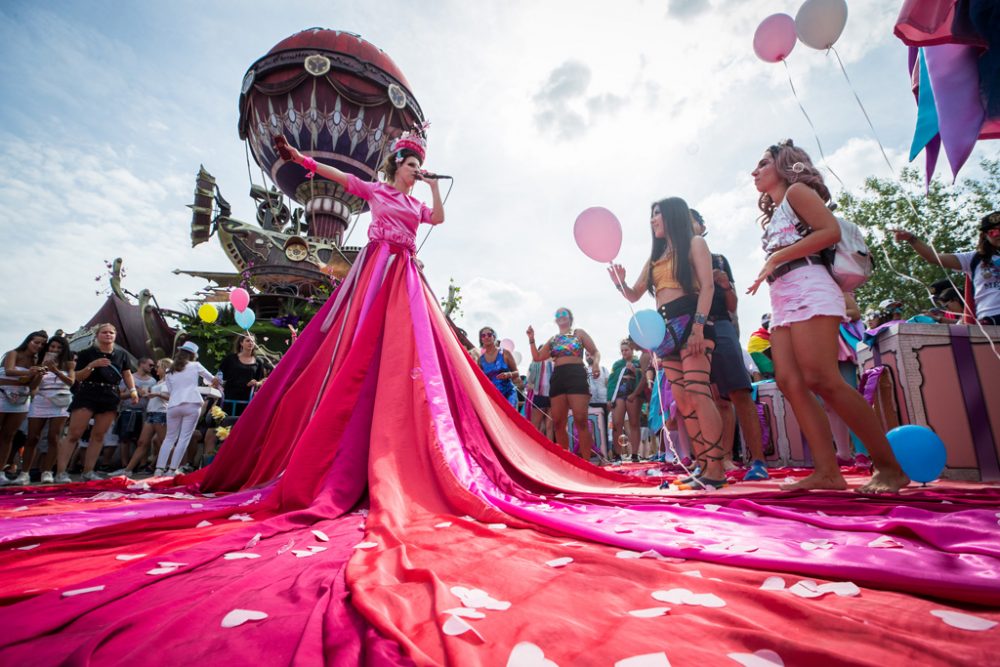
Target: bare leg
790,374
634,409
78,420
102,423
618,423
560,417
10,422
746,414
35,426
728,416
579,404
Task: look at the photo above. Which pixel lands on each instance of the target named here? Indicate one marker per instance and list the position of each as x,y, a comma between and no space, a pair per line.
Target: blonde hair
105,324
793,166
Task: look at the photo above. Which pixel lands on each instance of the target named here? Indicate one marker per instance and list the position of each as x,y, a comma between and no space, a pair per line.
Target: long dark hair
23,347
677,235
65,356
181,359
985,248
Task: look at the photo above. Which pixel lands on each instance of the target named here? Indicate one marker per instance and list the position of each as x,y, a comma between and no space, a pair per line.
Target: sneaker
121,472
63,478
92,476
47,477
636,459
158,472
23,479
171,472
703,484
757,472
4,481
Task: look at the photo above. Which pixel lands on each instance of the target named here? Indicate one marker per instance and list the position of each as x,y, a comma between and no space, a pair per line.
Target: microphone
434,177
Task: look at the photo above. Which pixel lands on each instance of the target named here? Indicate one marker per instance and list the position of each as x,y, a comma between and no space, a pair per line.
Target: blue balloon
647,329
919,450
246,318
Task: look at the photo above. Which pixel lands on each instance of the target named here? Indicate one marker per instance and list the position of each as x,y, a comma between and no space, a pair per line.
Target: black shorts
569,379
96,397
542,402
728,371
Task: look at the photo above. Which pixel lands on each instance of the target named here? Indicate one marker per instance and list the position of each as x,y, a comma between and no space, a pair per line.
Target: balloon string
809,120
913,208
621,290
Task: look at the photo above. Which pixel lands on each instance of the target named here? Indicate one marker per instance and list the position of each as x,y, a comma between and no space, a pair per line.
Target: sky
539,110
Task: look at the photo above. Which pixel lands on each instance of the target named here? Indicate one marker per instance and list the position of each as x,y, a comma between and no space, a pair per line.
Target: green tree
452,304
946,216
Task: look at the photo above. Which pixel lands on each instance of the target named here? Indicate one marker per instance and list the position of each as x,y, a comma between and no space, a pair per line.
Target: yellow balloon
208,313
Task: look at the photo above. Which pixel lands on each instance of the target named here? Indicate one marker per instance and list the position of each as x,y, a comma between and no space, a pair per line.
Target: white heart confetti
303,553
813,545
204,524
806,589
197,506
622,529
237,555
161,570
762,658
366,545
844,589
443,524
959,620
129,556
321,536
526,654
645,660
885,542
628,554
455,626
692,573
684,596
28,547
241,517
478,599
559,562
22,508
238,617
465,612
82,591
254,541
496,526
167,563
773,584
711,508
652,612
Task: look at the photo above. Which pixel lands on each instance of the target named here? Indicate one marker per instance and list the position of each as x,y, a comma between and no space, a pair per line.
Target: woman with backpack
807,307
981,264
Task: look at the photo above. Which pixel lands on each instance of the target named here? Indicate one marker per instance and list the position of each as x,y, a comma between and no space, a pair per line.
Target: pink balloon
507,344
240,299
775,38
598,233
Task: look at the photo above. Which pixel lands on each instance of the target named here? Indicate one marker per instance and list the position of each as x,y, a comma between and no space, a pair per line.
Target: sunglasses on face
486,334
562,313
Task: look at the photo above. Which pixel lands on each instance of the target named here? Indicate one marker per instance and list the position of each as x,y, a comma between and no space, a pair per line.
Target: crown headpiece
414,140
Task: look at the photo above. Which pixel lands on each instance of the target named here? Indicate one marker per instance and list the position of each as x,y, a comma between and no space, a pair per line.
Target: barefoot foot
885,482
833,480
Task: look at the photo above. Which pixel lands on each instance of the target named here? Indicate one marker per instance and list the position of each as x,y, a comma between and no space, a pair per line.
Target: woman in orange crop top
679,275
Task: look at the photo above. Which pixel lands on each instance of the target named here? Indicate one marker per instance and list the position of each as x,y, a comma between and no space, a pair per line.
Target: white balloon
819,23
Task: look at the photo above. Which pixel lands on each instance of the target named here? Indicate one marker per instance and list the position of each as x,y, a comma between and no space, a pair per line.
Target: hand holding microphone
428,176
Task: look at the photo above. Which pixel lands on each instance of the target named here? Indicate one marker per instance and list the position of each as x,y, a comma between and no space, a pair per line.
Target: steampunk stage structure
338,99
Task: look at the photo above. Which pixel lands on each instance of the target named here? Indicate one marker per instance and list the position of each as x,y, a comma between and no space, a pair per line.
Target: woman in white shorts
50,406
807,307
19,376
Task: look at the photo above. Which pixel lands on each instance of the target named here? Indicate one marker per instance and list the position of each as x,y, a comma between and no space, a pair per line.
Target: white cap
190,347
